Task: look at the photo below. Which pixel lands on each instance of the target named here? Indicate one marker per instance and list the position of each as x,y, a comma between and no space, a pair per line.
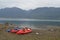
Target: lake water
31,22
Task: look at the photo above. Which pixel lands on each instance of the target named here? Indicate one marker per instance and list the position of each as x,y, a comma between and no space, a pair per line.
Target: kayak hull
23,32
13,31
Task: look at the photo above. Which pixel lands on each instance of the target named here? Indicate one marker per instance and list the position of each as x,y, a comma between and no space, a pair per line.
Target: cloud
29,4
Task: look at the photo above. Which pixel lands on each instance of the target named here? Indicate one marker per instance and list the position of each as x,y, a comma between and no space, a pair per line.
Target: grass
43,35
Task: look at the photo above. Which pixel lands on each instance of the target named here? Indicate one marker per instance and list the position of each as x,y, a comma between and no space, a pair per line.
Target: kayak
13,31
23,32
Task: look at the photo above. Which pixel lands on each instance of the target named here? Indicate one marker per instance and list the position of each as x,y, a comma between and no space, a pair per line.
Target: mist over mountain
38,13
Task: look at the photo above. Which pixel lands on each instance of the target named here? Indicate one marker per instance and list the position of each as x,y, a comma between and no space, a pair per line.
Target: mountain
12,13
38,13
46,13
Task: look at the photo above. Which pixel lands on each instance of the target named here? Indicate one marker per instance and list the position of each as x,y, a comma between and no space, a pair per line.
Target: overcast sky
29,4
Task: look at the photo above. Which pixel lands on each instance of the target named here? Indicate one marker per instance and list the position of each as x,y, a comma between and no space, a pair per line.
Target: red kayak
20,32
14,31
24,32
28,30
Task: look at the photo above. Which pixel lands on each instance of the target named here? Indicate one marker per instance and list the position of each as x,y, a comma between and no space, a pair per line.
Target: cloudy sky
29,4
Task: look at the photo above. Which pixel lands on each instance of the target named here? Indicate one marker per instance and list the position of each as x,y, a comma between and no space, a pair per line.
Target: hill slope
38,13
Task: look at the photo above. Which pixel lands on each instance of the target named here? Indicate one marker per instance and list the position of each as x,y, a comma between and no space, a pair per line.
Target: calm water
32,23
